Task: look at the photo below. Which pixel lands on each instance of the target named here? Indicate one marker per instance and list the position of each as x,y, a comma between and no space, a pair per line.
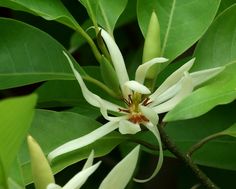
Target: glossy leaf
52,129
182,22
217,47
29,55
49,10
219,90
101,10
11,121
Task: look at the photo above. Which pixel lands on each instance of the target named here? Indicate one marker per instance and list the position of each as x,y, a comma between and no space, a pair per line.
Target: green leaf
121,174
16,115
101,10
219,90
231,131
182,22
49,10
52,129
29,55
217,47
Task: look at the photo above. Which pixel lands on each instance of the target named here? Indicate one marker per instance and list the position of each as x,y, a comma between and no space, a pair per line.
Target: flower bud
152,45
41,171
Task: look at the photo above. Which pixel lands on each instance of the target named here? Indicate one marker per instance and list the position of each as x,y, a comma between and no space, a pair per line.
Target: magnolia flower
141,106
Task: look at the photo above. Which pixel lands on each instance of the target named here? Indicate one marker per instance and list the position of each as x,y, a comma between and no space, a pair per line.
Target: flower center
133,102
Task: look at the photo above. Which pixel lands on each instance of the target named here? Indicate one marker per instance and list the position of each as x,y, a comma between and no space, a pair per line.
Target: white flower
80,178
141,107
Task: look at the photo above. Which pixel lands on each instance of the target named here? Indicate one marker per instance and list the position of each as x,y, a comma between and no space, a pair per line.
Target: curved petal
84,140
142,70
79,179
150,114
53,186
90,97
137,87
117,60
186,89
200,77
121,174
127,127
155,131
89,161
173,79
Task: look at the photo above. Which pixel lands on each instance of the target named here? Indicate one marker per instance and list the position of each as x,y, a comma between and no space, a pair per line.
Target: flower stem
205,181
202,142
94,48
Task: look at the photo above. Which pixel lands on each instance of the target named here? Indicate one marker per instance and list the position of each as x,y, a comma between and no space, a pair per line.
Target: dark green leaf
182,22
29,55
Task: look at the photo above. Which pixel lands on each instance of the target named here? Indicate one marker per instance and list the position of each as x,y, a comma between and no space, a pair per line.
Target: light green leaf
231,131
16,115
182,22
51,129
49,10
217,47
219,90
29,55
121,174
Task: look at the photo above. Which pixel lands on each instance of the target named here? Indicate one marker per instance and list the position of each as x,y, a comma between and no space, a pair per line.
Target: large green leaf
29,55
16,116
100,12
49,10
182,22
217,47
219,90
52,129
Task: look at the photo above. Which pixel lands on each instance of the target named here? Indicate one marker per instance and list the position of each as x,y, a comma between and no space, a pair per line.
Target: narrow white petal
117,60
127,127
53,186
90,97
121,174
89,161
84,140
79,179
173,79
142,70
200,77
186,89
150,114
155,131
137,87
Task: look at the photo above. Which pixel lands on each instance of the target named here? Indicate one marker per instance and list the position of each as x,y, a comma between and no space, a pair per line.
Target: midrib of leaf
105,18
168,27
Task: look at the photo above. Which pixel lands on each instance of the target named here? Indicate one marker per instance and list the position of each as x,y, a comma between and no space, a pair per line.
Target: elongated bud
109,75
152,45
41,171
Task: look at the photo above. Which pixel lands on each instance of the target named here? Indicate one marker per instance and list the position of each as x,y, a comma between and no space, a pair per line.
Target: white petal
186,89
89,161
127,127
90,97
173,79
200,77
150,114
137,87
79,179
155,131
53,186
84,140
117,60
121,174
142,70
